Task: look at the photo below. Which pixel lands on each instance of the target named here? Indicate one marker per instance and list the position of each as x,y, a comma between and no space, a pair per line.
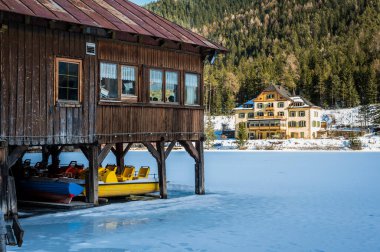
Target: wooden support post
119,157
4,173
92,183
55,151
45,155
161,163
199,170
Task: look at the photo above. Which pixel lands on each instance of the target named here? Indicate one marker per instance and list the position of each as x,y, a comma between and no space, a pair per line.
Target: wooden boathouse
98,75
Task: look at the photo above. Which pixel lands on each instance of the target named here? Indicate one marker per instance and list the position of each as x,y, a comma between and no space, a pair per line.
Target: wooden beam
169,149
4,173
17,153
199,170
92,180
189,147
152,151
161,165
85,150
104,152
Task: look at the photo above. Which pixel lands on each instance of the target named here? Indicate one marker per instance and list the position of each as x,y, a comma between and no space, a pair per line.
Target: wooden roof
117,15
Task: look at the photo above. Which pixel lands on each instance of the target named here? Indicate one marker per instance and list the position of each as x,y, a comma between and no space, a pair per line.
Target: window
280,105
302,123
280,113
292,124
251,115
68,80
108,81
292,113
270,105
301,113
117,81
315,113
155,82
318,124
270,114
270,96
260,113
314,124
302,134
241,115
171,87
259,105
128,81
191,89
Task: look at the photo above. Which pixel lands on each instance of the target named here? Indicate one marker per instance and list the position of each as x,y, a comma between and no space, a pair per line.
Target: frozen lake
256,201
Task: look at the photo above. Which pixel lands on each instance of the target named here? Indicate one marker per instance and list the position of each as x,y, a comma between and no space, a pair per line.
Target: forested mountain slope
326,50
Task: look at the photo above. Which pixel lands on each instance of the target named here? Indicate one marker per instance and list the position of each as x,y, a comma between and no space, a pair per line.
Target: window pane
72,82
128,80
191,86
156,85
73,69
62,94
108,81
171,94
68,81
63,68
73,93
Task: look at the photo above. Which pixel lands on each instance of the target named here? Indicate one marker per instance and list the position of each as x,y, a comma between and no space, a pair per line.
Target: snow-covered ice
256,201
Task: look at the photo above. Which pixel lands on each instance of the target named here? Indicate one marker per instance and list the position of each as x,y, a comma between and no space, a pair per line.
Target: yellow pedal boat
113,185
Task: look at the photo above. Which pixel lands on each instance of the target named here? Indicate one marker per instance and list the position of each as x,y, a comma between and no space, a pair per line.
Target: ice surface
256,201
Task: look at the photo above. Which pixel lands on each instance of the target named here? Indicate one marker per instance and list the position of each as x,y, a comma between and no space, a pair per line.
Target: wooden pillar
161,165
92,183
199,170
119,153
4,173
54,152
45,155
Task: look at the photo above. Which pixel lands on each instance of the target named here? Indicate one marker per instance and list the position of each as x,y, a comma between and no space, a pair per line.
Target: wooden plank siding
144,121
28,112
30,115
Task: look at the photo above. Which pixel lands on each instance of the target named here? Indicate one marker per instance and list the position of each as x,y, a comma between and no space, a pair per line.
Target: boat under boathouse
98,76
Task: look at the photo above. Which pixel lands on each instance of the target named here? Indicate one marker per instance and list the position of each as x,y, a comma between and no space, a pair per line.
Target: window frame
302,113
259,105
129,97
251,115
282,105
164,70
120,98
199,89
78,61
241,115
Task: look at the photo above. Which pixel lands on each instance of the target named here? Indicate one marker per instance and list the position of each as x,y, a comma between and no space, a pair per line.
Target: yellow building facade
276,114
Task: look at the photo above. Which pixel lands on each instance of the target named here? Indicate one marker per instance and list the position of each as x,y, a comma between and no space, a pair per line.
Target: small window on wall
251,115
171,87
241,115
109,88
128,81
156,82
68,80
191,89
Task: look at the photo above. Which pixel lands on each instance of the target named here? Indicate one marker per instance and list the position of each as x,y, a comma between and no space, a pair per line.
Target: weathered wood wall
30,116
28,112
144,121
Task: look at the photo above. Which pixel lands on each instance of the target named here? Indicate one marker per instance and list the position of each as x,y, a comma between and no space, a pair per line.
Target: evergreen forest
325,50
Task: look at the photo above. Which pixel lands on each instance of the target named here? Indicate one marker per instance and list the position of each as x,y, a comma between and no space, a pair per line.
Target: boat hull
127,188
48,190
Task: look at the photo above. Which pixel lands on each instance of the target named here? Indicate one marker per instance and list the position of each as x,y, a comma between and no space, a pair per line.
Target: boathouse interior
99,78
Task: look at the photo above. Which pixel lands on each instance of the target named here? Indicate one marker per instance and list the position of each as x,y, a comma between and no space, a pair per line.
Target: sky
141,2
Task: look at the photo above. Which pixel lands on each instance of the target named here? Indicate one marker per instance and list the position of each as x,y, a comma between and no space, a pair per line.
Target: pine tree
209,132
242,135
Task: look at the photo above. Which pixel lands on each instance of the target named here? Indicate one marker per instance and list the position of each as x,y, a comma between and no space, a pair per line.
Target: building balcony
267,117
266,128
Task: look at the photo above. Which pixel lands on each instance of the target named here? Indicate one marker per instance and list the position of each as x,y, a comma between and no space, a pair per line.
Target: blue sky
141,2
